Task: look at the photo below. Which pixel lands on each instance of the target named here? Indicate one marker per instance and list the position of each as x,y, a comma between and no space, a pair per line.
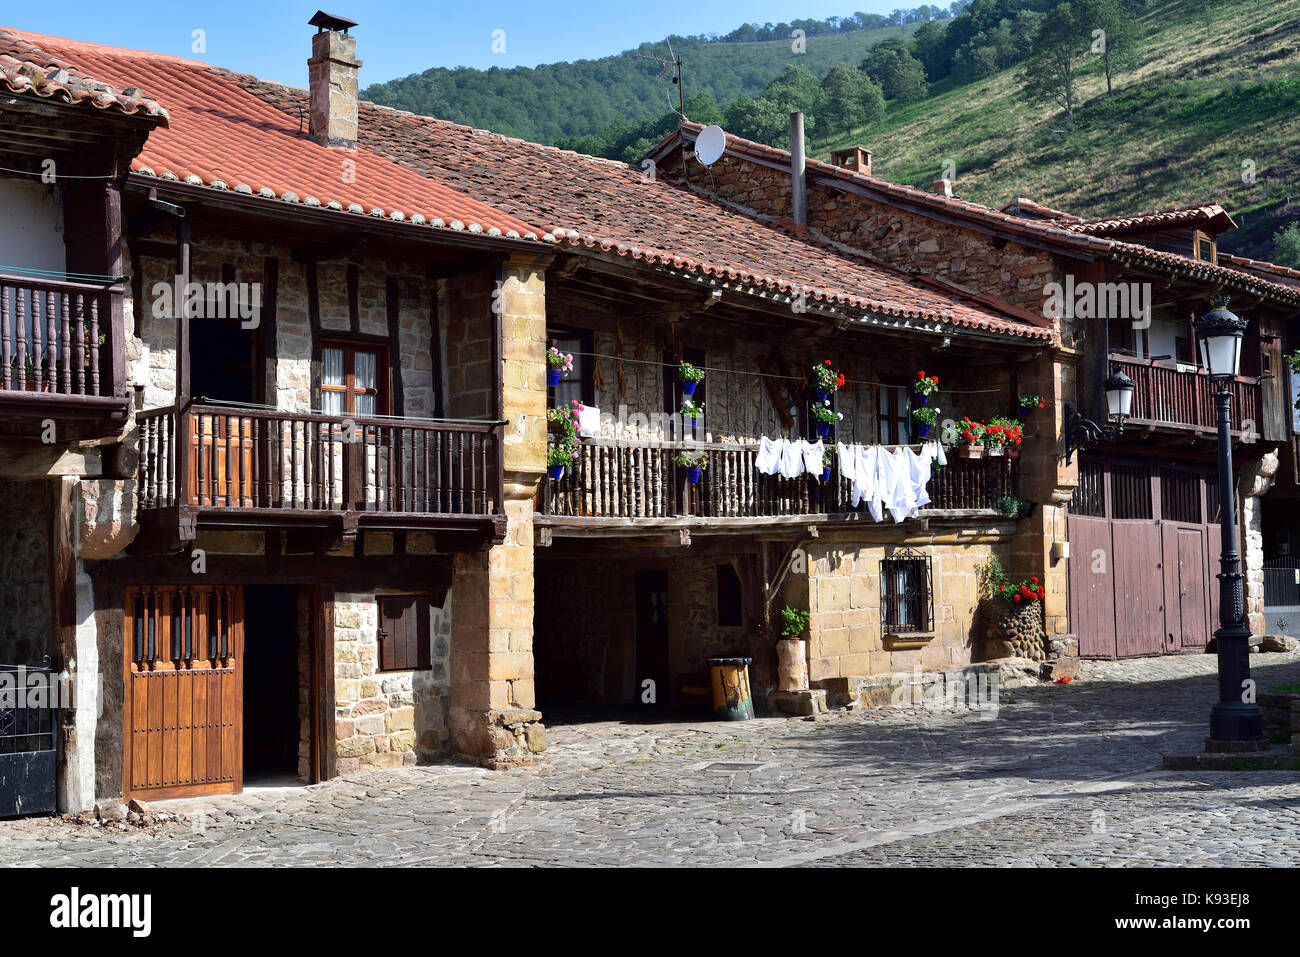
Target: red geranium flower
1034,579
1015,598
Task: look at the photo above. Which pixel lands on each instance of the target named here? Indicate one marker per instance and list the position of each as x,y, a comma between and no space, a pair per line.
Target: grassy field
1216,95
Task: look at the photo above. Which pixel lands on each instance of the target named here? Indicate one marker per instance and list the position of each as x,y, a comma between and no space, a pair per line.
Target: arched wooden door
183,712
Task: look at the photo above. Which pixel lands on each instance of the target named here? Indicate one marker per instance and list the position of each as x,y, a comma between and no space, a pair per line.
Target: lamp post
1236,723
1119,405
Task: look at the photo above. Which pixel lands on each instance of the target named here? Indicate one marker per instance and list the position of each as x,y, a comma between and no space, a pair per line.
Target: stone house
312,531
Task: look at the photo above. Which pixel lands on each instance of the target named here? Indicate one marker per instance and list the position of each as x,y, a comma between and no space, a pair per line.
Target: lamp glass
1221,354
1119,401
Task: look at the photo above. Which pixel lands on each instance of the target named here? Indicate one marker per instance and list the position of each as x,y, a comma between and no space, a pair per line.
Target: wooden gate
1140,573
183,714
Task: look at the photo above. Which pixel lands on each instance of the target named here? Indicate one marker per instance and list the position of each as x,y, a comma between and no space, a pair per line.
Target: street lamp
1119,405
1236,723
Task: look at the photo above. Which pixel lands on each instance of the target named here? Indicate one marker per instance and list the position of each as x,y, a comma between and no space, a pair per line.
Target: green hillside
561,100
1217,86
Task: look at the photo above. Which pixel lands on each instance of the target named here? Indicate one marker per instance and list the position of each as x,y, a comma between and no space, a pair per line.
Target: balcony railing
58,337
239,465
612,479
1164,396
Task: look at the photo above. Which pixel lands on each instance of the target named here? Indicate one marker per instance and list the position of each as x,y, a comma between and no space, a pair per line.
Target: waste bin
732,700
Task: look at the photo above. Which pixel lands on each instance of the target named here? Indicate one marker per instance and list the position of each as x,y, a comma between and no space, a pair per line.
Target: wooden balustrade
218,457
616,479
50,336
1166,396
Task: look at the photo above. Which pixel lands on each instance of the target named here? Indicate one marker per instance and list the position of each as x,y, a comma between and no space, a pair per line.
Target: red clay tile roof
222,137
1207,214
589,203
1061,233
27,70
1266,270
1039,211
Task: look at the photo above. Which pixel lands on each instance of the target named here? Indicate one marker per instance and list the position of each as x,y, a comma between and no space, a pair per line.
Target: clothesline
741,372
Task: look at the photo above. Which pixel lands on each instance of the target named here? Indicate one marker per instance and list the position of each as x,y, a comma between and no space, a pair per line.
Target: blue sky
270,38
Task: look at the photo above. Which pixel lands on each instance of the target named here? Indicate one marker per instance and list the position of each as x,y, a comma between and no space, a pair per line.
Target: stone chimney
854,158
332,81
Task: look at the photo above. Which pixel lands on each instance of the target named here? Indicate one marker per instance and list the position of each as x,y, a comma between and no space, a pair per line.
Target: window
673,384
1203,248
577,384
404,633
906,602
730,608
352,379
893,415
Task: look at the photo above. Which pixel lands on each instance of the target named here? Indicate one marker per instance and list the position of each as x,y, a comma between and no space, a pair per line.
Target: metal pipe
798,168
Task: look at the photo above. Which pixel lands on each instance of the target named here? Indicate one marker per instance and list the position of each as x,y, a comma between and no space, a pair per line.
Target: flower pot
826,474
1013,452
995,451
823,429
694,424
688,388
693,475
820,395
923,429
922,398
553,376
555,472
971,451
1024,411
791,665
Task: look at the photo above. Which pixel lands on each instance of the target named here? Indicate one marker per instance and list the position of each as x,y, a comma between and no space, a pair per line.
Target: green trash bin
732,700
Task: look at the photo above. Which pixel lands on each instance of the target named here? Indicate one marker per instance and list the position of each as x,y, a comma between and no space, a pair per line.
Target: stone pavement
1063,775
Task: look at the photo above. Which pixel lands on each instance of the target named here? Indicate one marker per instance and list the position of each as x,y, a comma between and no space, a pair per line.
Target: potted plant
1011,614
970,437
924,387
1011,432
995,437
691,376
559,456
1030,402
925,419
558,365
792,662
794,622
824,416
694,462
828,459
563,420
693,410
825,380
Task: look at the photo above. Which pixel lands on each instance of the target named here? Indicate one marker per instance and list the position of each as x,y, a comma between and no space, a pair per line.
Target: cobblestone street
1064,775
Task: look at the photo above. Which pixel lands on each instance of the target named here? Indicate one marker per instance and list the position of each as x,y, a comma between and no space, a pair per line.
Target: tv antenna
670,69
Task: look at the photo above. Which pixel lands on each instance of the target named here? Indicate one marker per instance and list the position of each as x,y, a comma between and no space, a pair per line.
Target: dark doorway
222,357
271,725
652,637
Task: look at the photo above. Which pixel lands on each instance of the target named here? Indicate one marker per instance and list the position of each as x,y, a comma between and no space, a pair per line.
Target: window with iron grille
404,633
906,593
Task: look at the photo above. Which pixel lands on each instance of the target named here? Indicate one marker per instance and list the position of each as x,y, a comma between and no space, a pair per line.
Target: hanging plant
828,460
691,376
824,416
559,456
693,410
559,364
924,387
826,379
563,420
1030,402
694,462
925,418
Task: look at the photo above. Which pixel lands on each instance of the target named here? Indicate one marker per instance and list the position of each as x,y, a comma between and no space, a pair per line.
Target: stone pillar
1255,480
493,716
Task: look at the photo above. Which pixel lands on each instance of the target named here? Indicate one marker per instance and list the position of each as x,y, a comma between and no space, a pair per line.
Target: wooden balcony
616,486
61,358
1165,397
235,467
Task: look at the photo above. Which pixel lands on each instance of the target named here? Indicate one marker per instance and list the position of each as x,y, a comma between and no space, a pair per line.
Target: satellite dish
710,145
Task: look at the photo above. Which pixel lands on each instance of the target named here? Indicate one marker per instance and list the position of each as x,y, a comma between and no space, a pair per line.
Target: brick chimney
332,81
855,158
943,187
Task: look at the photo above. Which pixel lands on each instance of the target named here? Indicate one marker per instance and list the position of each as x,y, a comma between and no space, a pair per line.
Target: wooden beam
393,307
182,318
354,296
313,319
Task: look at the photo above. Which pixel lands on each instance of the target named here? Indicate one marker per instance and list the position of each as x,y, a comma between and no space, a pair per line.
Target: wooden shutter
404,633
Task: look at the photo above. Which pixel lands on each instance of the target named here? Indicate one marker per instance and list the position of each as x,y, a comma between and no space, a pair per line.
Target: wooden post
182,318
116,340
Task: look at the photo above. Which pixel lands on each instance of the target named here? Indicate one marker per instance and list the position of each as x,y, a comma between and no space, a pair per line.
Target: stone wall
841,589
385,718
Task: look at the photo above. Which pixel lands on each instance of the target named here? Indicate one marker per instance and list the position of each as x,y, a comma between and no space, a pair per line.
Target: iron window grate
906,592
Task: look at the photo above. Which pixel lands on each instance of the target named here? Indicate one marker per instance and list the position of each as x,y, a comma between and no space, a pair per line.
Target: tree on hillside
1051,75
767,118
849,99
1117,44
891,66
1286,246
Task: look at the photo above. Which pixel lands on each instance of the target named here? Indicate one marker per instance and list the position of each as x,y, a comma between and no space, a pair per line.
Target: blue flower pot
688,388
555,472
820,395
553,376
693,475
694,424
1024,411
823,429
923,430
826,474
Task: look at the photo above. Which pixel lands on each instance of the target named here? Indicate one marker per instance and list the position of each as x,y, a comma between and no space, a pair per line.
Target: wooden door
220,460
1139,592
1193,586
1092,586
183,713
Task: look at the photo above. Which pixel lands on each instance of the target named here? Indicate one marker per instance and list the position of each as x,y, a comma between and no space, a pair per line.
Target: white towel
848,457
791,462
813,455
768,456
